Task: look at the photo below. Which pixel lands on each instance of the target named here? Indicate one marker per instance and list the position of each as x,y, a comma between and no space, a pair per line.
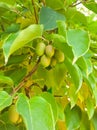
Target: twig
80,2
35,12
21,84
2,67
2,27
75,4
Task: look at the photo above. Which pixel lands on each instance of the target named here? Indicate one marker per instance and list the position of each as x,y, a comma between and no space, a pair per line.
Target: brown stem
35,12
21,84
75,4
2,67
2,27
80,2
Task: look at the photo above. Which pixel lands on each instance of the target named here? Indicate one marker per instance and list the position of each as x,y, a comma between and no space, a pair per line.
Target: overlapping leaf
79,41
36,112
6,80
17,40
52,101
49,17
75,73
5,100
90,107
72,117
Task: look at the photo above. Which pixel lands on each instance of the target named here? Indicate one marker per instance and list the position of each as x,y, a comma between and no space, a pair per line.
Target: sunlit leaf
92,5
5,100
17,40
6,80
49,17
36,112
51,100
79,41
91,81
81,62
72,117
90,107
53,77
94,120
76,17
16,75
75,74
85,122
59,42
55,5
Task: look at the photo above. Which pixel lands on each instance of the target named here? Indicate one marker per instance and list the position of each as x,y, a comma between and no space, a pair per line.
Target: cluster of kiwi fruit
49,56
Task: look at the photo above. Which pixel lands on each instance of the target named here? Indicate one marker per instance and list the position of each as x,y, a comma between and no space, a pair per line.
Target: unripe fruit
49,50
59,55
53,62
40,48
13,115
45,61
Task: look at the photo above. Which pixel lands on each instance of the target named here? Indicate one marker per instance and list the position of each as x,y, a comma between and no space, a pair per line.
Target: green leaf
59,4
94,120
3,8
90,80
49,17
62,28
53,77
75,74
60,43
85,65
95,95
72,117
17,40
90,107
89,66
92,26
13,28
11,2
36,112
85,122
72,95
17,74
6,80
91,5
75,17
5,100
81,62
79,41
51,100
16,59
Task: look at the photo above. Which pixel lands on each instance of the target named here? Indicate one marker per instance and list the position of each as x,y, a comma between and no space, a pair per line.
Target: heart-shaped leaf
49,17
17,40
5,100
79,41
36,112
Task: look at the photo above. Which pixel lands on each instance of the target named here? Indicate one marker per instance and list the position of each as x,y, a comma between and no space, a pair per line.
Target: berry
45,61
40,48
49,50
59,55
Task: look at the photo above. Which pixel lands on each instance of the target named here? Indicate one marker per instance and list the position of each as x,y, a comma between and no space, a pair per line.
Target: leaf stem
35,12
2,27
21,84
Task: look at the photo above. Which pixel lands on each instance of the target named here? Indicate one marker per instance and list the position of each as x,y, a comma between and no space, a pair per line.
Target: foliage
48,67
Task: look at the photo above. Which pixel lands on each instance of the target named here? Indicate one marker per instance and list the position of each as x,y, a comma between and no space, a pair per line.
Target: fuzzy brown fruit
49,50
45,61
40,48
59,55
